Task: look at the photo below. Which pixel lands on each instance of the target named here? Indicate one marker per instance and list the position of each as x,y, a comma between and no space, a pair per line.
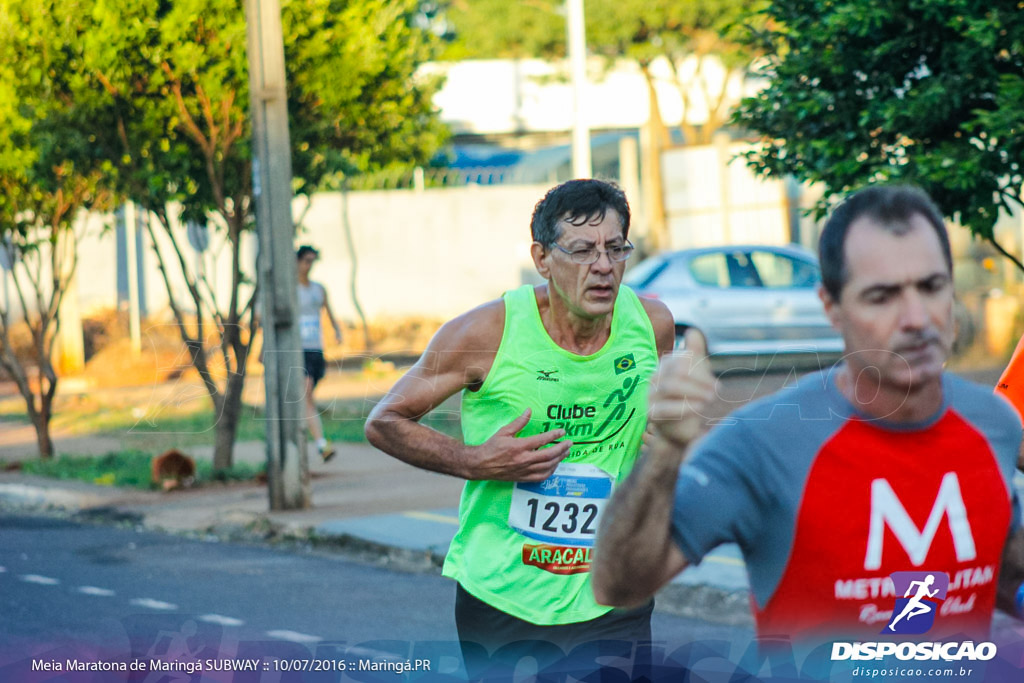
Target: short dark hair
577,201
306,249
892,206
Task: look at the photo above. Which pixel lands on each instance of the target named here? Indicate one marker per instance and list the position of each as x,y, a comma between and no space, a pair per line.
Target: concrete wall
711,197
432,253
437,252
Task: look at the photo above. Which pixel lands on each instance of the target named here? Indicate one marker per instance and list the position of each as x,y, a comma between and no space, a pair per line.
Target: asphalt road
71,591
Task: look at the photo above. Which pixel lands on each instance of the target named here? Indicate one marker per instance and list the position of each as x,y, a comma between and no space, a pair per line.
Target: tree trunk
42,425
350,243
224,433
657,140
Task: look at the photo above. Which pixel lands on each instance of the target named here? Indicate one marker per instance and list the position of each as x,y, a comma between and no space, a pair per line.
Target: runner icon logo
922,592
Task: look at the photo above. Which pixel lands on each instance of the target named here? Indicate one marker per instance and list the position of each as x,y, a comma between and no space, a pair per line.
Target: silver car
747,300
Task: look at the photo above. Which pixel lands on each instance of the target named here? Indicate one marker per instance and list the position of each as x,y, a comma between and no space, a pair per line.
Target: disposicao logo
915,611
914,614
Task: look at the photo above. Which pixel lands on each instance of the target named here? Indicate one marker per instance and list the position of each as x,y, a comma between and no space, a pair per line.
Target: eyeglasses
590,255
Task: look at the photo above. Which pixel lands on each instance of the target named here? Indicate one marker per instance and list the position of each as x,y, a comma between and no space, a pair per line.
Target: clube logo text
914,614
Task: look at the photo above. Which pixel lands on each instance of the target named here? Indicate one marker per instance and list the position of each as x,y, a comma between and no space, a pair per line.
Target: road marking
150,603
221,620
41,580
432,517
294,636
93,590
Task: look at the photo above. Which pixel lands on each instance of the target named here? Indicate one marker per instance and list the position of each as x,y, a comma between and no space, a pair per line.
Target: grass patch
139,425
127,468
342,420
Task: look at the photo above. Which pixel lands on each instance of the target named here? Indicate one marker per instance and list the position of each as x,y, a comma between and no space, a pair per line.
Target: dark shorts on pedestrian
316,366
494,642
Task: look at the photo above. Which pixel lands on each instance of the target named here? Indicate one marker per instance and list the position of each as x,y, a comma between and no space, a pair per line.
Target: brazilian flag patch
624,364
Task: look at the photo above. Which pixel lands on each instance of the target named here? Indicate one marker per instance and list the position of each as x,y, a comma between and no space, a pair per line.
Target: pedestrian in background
312,300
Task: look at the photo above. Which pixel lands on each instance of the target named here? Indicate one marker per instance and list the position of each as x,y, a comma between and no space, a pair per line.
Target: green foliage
929,92
637,29
498,29
126,468
156,93
41,188
354,103
149,100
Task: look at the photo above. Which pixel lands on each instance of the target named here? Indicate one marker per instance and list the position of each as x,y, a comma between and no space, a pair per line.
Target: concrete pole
581,167
287,470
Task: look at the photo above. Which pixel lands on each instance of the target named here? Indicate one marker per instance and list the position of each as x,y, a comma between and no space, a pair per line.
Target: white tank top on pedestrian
311,300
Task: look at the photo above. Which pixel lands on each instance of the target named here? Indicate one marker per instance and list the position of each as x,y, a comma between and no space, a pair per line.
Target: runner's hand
681,391
507,457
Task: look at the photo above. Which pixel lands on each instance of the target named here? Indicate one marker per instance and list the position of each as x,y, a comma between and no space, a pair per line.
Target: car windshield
781,271
640,274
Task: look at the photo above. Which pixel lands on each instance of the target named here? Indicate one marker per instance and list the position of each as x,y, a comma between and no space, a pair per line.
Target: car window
781,271
741,270
710,270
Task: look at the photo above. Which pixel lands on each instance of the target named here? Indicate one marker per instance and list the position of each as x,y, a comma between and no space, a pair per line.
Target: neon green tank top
525,548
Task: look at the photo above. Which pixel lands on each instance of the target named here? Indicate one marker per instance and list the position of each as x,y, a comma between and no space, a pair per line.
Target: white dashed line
41,580
221,620
294,636
150,603
93,590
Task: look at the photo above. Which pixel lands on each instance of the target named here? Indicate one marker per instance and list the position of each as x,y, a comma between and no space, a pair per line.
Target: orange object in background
1011,383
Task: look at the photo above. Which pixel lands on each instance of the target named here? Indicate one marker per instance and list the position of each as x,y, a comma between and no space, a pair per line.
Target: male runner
554,381
883,464
313,299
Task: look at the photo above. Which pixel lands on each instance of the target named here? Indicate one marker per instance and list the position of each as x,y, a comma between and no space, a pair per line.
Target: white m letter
886,508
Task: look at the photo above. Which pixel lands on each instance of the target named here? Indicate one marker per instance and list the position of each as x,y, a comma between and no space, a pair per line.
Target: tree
162,90
929,92
41,193
684,35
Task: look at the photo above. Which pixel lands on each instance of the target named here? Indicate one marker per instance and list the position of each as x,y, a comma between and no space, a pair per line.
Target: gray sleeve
999,421
720,496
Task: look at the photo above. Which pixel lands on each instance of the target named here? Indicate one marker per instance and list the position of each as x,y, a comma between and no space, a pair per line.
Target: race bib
309,331
565,508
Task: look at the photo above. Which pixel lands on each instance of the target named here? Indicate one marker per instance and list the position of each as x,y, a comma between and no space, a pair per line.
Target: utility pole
581,167
287,471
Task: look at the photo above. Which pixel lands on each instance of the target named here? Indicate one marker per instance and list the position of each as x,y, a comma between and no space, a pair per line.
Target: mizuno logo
545,376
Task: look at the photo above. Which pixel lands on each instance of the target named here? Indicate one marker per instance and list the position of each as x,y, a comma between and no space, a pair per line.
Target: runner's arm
330,317
641,508
625,572
459,356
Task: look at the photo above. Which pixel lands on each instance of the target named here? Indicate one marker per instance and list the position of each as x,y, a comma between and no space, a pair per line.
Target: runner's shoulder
662,321
477,331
